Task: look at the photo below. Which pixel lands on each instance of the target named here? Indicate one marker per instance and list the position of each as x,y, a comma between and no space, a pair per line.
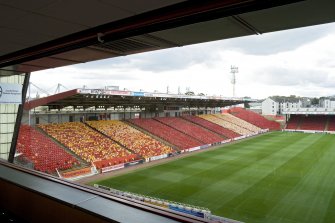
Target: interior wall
8,114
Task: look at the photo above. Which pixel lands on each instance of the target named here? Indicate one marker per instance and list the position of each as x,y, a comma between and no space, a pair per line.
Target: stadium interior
84,133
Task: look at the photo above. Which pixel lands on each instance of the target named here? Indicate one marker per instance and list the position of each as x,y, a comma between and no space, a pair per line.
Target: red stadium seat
171,135
131,138
44,153
254,118
85,142
212,126
313,122
201,134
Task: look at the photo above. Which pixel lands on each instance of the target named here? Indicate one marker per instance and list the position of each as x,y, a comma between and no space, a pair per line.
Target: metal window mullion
18,119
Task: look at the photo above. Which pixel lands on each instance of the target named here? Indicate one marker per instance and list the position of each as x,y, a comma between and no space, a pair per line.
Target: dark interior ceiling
42,34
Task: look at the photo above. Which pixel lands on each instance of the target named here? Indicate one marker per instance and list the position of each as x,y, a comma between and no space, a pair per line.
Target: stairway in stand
327,124
299,122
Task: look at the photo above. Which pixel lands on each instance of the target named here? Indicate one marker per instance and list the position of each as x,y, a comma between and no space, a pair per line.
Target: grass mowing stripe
330,214
198,180
174,166
142,182
254,204
279,177
184,190
228,187
313,193
222,173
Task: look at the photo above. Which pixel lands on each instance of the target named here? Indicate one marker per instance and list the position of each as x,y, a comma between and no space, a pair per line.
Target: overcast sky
294,62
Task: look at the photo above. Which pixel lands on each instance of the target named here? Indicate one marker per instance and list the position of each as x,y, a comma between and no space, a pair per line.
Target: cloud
105,75
277,42
327,62
296,62
158,61
182,57
283,76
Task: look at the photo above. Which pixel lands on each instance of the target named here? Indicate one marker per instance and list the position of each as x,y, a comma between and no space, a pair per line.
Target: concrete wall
270,107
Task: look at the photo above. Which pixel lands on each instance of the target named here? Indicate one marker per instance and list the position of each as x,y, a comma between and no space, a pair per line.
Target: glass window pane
8,113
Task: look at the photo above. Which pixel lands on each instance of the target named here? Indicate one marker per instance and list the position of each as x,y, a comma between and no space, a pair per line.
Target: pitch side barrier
120,166
78,174
223,142
200,212
308,131
90,171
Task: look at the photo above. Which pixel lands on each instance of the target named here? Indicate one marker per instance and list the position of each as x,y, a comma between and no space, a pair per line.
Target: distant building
270,107
276,105
256,107
327,102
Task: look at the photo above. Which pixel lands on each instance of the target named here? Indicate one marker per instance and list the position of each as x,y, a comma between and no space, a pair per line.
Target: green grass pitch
277,177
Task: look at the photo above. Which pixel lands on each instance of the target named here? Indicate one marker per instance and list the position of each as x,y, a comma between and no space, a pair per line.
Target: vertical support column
29,98
18,118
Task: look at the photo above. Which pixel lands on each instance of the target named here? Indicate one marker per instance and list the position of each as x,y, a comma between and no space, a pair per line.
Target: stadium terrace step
228,134
85,142
152,135
45,154
225,124
310,122
130,138
331,123
83,162
107,136
254,118
192,130
177,138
